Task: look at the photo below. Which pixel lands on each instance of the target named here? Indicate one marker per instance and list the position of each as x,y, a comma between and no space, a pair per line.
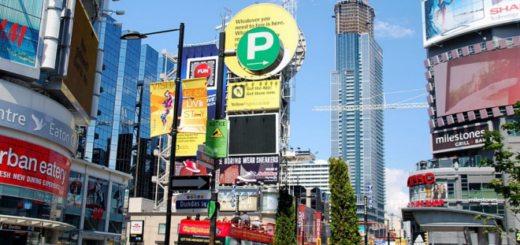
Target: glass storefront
20,201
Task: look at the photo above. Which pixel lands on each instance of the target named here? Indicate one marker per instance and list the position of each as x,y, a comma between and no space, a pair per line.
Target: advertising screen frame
473,15
484,80
231,138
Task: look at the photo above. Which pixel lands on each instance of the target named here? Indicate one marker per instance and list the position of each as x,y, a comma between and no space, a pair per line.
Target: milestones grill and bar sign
458,138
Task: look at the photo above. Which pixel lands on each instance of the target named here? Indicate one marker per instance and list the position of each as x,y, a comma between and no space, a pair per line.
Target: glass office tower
357,136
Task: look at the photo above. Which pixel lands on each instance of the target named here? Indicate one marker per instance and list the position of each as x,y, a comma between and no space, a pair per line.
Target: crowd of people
242,221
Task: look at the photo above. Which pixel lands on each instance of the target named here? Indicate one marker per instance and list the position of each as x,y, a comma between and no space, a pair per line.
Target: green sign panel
211,209
260,49
217,137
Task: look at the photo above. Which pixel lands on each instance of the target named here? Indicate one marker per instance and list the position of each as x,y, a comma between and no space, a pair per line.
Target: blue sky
397,29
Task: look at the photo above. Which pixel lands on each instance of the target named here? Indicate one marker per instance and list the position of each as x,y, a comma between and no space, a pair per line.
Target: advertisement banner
83,56
445,19
194,106
136,230
466,137
250,169
189,167
480,81
162,96
318,224
28,165
270,202
217,137
247,200
263,95
205,67
301,223
280,27
20,30
437,190
188,143
193,202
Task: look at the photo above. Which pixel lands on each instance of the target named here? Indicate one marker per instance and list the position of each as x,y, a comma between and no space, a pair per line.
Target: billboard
266,36
189,167
445,19
466,137
263,95
250,169
31,166
484,80
20,31
194,106
426,195
162,96
247,200
204,67
253,135
82,62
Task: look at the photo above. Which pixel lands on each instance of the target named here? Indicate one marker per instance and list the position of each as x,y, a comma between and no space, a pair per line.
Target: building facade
357,136
472,87
49,194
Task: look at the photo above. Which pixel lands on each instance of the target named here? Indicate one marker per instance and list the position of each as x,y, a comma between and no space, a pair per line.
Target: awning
445,219
43,223
98,235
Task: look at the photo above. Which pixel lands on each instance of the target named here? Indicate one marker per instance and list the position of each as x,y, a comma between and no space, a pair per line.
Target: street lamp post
173,133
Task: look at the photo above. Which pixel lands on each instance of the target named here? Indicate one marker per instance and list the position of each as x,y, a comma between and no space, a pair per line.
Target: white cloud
385,29
397,196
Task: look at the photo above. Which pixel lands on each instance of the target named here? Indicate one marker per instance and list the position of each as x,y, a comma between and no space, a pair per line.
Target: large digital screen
479,81
253,135
444,19
20,30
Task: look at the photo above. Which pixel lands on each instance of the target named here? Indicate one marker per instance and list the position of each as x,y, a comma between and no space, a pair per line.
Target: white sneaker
248,177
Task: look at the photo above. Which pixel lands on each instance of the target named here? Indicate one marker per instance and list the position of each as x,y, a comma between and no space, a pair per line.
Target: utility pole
220,89
366,225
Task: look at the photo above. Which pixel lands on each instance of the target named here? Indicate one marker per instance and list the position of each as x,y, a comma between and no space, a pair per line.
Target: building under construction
357,136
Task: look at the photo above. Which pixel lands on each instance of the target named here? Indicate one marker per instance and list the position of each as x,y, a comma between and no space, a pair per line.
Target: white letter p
251,43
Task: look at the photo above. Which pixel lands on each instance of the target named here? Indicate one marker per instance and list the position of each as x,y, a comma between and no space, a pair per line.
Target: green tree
507,163
285,219
344,228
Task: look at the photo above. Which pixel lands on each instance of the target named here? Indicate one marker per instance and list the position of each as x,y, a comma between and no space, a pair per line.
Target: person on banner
167,104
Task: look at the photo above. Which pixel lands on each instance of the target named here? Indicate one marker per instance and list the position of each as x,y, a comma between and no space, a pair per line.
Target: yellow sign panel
194,106
187,144
266,15
162,96
253,95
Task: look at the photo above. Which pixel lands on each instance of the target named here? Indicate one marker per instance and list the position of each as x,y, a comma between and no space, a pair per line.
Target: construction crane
398,105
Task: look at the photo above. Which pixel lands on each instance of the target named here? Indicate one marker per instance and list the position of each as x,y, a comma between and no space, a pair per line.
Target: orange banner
194,106
162,97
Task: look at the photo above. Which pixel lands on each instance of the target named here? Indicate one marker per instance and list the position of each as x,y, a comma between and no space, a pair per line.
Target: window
513,133
162,228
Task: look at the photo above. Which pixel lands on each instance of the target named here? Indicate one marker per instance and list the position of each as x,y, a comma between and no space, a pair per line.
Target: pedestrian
245,219
236,221
197,217
188,217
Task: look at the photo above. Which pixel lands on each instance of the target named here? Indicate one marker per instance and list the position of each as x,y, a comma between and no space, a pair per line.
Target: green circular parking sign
260,49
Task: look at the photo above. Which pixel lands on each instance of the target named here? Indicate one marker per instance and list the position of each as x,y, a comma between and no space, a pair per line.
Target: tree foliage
285,219
345,225
505,162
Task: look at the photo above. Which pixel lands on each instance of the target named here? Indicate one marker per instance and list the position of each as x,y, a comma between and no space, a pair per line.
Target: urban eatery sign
420,179
32,166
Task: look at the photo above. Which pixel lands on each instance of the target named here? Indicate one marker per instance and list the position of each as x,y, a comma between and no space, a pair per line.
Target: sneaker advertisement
249,169
189,167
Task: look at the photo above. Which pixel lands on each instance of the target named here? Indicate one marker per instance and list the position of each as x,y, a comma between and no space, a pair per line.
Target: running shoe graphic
248,177
191,165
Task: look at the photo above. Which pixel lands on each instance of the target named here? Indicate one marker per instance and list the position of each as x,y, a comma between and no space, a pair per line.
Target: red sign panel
201,228
420,179
426,203
202,70
318,224
28,165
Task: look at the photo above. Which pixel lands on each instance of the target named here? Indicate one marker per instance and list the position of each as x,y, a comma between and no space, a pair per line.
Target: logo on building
420,179
260,49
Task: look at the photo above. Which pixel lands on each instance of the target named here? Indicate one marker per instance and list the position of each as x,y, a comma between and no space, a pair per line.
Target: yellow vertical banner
194,106
162,97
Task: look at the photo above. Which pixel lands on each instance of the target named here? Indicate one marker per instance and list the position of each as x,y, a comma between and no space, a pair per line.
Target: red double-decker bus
194,232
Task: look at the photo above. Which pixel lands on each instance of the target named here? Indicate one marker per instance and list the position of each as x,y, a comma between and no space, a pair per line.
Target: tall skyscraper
357,136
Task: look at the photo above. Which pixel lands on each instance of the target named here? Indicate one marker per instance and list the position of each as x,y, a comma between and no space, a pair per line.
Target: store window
96,204
116,208
162,228
20,201
75,193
